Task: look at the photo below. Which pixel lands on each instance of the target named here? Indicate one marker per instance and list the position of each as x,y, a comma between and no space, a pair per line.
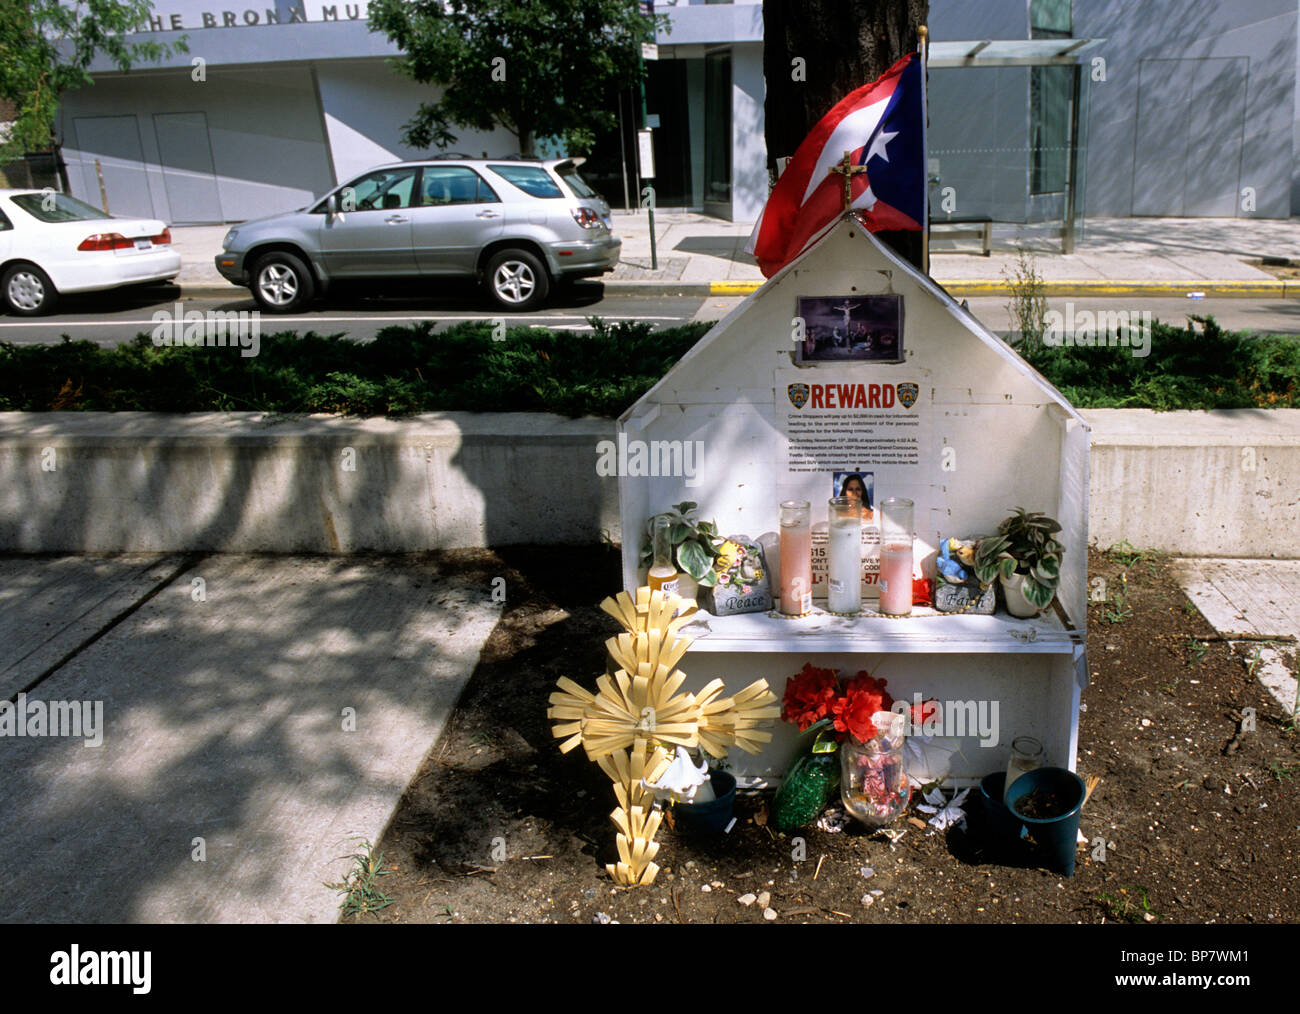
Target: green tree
538,69
46,49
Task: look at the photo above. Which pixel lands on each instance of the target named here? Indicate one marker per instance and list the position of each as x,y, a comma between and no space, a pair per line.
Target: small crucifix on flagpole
848,170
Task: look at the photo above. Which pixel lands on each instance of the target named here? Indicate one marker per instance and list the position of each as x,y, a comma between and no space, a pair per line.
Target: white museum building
1039,110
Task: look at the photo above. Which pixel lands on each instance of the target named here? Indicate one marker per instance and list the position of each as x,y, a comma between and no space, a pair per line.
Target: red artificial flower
922,591
809,695
863,697
864,680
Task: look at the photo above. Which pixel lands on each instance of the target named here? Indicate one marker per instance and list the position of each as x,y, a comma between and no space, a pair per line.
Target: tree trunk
817,51
60,167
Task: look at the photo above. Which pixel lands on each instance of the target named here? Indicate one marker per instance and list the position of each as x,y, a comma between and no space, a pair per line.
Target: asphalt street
110,318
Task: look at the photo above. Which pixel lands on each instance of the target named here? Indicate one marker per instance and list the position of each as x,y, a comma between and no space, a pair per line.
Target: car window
454,184
531,179
569,173
381,190
4,222
52,207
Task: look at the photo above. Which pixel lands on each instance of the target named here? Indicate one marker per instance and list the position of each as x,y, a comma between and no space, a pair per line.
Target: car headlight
229,241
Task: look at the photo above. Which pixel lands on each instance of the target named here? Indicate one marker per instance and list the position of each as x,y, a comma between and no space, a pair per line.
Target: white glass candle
844,570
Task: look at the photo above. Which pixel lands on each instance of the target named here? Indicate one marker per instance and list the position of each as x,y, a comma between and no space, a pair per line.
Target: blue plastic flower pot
714,816
1059,835
1001,825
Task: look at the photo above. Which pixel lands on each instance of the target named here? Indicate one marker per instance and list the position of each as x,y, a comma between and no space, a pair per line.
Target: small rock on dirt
765,898
769,914
747,899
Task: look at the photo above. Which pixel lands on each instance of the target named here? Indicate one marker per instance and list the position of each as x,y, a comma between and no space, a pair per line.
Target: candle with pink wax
896,556
796,557
896,578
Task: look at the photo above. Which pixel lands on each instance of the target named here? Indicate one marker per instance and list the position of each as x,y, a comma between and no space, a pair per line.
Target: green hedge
1200,366
405,369
410,368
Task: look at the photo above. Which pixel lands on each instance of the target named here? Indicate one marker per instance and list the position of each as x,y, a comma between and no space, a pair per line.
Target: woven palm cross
633,723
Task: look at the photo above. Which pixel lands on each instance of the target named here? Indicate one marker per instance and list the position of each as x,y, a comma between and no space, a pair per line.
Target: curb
1279,288
1243,288
1274,288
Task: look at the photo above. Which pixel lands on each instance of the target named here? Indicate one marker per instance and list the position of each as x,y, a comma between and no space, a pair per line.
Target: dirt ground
1200,819
1288,271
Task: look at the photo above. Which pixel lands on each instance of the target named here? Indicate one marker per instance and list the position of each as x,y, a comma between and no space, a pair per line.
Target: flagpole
922,45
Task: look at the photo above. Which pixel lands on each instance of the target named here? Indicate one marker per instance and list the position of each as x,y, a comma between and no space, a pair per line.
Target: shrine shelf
925,631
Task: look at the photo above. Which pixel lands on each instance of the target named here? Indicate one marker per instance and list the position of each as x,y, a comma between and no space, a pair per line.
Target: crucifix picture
850,329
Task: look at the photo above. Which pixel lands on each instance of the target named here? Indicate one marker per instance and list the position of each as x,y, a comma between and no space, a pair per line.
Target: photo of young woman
859,487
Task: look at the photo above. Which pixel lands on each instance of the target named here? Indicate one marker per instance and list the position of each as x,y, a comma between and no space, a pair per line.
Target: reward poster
854,431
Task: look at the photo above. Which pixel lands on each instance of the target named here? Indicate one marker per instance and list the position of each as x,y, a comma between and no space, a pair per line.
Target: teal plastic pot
711,817
1000,825
1058,835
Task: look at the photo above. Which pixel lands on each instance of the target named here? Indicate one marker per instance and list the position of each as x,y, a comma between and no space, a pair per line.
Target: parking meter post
647,9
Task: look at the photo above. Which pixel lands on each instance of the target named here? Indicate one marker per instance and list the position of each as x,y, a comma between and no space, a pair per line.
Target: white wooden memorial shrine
989,434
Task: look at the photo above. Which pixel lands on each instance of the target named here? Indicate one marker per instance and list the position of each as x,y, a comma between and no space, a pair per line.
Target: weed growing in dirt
1282,772
1119,614
1128,908
1028,306
362,881
1119,610
1129,556
1198,650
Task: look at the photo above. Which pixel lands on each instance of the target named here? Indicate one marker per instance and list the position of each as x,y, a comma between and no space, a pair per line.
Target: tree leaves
46,48
536,69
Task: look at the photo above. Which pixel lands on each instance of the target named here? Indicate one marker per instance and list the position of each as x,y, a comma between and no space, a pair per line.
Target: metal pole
650,206
103,193
922,33
1067,232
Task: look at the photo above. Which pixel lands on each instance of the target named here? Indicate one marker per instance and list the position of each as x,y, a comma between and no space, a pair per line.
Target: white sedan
52,243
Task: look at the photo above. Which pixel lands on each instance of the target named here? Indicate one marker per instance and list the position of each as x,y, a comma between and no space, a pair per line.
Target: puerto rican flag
882,127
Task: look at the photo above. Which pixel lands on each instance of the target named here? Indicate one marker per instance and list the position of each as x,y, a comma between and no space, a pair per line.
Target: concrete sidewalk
225,684
1258,599
1113,256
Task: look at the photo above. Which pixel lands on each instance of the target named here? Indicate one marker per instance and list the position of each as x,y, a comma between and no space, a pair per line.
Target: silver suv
517,225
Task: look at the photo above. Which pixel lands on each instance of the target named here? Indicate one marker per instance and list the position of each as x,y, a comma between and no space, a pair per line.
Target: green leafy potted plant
694,544
1026,559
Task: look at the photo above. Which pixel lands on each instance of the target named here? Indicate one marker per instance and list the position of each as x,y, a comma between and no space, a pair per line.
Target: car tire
282,283
28,291
516,280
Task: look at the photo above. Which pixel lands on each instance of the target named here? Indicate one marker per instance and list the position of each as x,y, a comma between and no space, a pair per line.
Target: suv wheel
28,290
282,283
516,280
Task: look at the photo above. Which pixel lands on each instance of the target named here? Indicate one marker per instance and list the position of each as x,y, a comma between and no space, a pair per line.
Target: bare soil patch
1199,819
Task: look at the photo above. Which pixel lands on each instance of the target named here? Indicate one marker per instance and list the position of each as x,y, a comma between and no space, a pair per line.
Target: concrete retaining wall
116,482
1197,483
1188,483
